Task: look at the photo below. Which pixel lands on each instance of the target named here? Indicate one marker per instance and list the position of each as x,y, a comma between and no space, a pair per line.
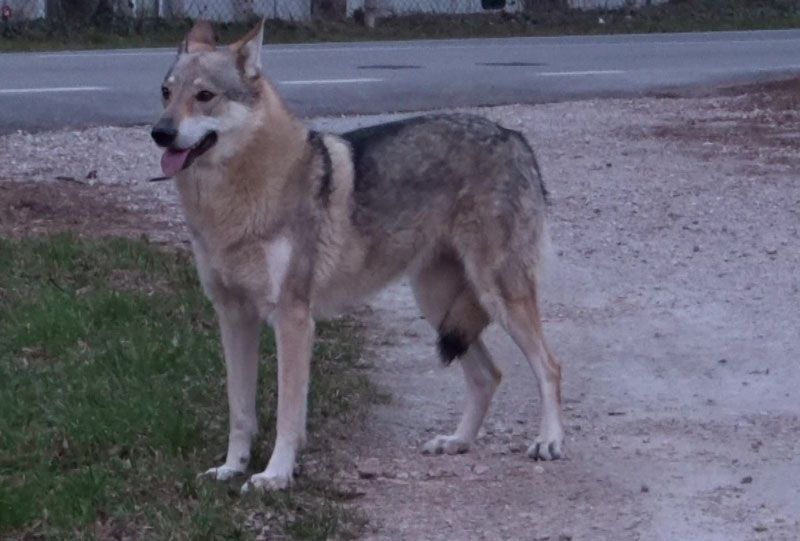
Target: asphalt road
52,90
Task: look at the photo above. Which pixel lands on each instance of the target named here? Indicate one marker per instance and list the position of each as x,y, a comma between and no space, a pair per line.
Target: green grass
675,16
113,399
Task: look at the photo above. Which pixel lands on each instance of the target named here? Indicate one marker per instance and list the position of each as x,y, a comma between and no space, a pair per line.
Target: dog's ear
201,38
248,51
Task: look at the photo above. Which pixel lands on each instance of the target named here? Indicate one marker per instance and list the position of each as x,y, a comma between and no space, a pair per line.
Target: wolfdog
289,224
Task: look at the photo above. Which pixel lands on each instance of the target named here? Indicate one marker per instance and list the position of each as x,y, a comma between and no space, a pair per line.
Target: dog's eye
204,95
165,93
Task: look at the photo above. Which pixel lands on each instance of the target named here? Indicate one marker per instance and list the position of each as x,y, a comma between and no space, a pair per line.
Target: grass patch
113,399
674,16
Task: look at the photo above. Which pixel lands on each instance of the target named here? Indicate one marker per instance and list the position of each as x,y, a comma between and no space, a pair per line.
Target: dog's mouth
173,161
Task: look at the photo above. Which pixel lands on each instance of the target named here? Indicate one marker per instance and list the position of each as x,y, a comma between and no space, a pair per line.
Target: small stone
645,489
760,528
538,469
348,491
480,469
342,476
747,480
369,468
439,473
500,428
771,250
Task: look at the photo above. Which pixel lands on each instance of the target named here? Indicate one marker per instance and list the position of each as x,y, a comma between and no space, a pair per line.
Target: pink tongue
172,161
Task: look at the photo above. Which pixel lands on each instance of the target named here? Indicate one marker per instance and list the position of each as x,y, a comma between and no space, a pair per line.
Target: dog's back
438,183
431,162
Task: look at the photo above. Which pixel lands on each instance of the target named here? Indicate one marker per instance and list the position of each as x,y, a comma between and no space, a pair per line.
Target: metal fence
294,10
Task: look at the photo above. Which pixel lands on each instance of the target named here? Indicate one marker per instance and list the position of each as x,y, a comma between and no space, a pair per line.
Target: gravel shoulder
672,299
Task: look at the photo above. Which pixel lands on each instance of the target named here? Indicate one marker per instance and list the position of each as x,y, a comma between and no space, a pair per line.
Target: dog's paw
267,482
449,445
221,473
543,449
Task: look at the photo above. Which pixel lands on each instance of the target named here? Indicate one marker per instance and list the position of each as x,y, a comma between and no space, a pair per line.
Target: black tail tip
452,344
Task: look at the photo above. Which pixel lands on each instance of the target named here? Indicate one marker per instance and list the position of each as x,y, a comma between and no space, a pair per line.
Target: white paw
546,449
222,473
267,481
442,444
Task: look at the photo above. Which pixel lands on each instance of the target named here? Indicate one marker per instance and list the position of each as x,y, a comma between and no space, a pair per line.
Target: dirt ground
672,299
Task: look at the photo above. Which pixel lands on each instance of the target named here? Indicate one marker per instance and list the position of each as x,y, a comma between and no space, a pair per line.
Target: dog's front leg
294,332
239,325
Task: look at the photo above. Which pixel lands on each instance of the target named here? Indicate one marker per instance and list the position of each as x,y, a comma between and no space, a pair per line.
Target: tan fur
335,229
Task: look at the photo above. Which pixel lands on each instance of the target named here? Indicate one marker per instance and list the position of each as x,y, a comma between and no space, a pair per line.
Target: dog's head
210,94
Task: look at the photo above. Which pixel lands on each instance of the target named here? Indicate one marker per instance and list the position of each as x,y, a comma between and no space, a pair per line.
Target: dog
289,224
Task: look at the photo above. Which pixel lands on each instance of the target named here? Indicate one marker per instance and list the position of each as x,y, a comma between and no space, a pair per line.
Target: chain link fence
232,11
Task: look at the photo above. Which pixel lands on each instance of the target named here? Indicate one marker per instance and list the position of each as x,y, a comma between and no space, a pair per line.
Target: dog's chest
259,269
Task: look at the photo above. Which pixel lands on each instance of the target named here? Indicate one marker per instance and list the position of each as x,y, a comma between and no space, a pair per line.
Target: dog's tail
535,175
461,325
528,167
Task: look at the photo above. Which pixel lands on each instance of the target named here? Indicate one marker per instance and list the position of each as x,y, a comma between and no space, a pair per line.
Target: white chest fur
278,253
260,271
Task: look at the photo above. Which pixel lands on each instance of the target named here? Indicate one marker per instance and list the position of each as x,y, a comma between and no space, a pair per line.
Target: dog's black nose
164,133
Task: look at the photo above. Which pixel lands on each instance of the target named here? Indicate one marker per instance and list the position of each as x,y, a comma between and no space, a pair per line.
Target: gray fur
457,183
219,73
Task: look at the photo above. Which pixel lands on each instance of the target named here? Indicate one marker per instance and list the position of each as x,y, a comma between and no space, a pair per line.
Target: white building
25,9
612,4
235,10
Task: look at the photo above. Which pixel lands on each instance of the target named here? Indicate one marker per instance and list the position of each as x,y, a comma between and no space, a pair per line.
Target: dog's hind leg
525,327
482,377
239,325
510,293
448,303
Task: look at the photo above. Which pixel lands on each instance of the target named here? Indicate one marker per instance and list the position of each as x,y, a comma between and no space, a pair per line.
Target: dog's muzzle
174,160
164,132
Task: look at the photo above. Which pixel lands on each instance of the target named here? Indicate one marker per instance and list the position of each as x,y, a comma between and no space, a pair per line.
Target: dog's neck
228,195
